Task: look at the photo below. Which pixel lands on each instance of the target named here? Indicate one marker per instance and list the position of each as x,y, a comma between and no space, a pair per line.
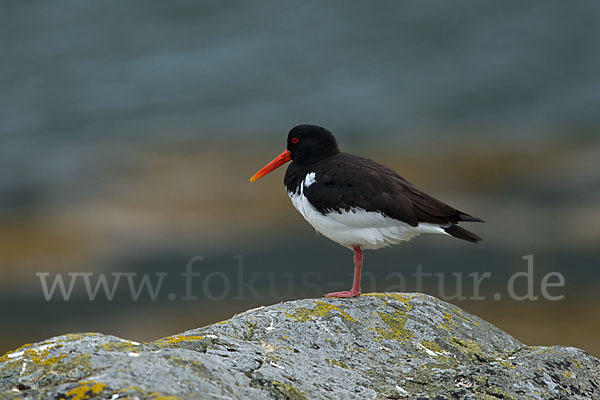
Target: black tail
463,217
462,233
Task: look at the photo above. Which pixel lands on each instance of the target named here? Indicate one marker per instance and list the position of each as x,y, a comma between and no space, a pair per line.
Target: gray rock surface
377,346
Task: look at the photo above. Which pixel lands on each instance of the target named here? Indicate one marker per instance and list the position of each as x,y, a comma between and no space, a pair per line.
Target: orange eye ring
295,140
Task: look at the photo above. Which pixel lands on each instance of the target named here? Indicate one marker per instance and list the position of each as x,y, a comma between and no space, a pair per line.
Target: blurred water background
128,132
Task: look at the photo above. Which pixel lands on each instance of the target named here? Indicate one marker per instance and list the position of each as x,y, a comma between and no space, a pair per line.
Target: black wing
345,181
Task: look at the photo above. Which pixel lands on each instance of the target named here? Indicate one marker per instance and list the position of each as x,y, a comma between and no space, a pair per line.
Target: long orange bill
273,165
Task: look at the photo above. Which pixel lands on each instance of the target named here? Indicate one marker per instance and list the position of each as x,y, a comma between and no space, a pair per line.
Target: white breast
367,229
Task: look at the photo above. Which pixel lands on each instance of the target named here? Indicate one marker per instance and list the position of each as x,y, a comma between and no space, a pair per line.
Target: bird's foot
344,295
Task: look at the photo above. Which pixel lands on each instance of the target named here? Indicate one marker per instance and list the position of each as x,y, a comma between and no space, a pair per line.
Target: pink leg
358,263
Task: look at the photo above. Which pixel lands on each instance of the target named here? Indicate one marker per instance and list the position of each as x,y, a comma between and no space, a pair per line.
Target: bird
357,202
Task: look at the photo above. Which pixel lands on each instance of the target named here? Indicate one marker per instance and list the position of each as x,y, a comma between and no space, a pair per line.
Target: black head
310,143
306,144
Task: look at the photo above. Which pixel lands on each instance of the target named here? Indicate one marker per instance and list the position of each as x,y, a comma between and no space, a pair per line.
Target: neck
312,156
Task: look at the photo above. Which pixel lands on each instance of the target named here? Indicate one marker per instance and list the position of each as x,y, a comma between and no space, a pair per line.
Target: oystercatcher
357,202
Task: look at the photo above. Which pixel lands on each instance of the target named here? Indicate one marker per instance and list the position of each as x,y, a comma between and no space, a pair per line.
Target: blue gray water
81,71
75,74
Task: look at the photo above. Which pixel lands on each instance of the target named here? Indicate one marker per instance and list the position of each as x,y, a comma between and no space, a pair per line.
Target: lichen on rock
377,346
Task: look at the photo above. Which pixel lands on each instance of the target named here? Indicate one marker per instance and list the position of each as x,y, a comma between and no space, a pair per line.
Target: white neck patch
310,179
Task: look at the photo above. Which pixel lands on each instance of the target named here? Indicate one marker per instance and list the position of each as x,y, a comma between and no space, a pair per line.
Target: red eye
295,140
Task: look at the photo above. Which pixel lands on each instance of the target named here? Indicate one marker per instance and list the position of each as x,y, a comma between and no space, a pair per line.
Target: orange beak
273,165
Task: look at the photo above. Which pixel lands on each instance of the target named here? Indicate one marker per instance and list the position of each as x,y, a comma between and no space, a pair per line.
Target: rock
377,346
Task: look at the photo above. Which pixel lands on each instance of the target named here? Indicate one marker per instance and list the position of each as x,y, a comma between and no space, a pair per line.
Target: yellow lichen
118,346
568,374
76,336
433,346
403,298
337,363
470,348
448,318
506,364
396,329
126,394
171,340
158,396
320,310
82,362
486,390
252,327
132,388
86,390
287,391
41,357
395,322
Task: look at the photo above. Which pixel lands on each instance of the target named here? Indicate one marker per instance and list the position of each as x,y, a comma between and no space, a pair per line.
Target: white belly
368,229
